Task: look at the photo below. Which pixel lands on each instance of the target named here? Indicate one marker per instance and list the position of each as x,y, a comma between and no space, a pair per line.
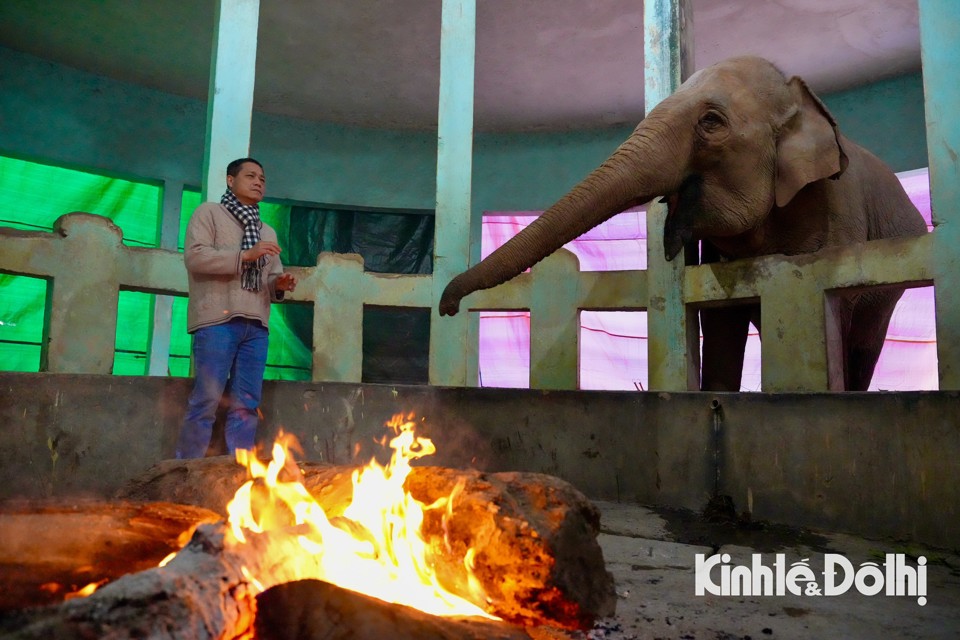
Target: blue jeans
227,357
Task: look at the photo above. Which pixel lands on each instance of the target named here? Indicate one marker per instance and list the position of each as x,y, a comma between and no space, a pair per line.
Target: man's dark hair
234,167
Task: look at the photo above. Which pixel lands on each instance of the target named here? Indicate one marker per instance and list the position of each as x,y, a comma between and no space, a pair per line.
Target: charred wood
310,609
201,594
533,535
53,548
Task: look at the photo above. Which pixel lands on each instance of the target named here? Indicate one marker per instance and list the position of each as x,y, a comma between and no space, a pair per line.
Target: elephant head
734,141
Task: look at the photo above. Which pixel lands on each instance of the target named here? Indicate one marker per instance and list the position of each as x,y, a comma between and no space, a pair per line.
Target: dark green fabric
396,340
396,345
388,242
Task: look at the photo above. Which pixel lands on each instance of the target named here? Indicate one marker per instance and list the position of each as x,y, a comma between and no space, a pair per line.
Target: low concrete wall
877,464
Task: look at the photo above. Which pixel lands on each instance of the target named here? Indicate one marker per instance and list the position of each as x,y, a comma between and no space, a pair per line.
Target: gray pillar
673,347
449,348
158,350
230,98
939,30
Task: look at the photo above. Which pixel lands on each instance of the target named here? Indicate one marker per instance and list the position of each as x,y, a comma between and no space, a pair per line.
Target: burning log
54,549
532,536
315,609
203,593
512,546
206,593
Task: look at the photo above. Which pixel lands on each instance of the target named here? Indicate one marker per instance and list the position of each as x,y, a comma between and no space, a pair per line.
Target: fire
85,591
375,547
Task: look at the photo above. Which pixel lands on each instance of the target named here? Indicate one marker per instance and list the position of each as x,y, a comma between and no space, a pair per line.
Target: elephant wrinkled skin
750,163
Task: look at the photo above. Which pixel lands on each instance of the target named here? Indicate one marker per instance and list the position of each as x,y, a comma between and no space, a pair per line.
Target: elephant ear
808,147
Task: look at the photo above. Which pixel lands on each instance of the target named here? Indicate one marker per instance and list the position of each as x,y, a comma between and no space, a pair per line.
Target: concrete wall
84,254
876,464
886,117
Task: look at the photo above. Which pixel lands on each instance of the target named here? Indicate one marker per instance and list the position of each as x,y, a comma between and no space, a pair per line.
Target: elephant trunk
634,174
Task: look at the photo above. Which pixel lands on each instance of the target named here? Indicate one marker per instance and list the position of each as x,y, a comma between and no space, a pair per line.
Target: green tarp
396,340
37,194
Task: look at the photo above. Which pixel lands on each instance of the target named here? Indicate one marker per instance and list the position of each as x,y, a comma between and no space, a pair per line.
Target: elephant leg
867,331
725,332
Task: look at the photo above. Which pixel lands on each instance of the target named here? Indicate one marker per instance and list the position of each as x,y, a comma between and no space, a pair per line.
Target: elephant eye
712,121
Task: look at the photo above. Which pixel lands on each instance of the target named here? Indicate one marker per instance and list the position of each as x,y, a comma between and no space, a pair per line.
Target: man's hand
286,282
262,248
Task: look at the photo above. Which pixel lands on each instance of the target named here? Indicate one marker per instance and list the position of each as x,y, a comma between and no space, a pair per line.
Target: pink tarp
613,344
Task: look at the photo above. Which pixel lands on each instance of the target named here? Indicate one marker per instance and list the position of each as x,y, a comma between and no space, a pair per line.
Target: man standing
234,273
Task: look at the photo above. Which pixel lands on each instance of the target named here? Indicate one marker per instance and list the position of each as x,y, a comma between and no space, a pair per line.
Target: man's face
249,183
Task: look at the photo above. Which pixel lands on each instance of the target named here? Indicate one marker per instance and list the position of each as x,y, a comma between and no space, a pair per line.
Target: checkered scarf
249,216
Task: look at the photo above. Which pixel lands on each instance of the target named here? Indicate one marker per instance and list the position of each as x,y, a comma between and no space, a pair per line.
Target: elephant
750,163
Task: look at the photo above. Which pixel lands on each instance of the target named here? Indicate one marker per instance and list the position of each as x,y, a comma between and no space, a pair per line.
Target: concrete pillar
449,336
158,341
230,98
940,53
673,355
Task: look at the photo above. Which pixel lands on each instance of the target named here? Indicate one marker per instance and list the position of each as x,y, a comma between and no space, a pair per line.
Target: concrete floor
652,558
651,554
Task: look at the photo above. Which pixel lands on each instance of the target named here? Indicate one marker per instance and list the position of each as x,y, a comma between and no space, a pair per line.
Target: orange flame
85,591
375,547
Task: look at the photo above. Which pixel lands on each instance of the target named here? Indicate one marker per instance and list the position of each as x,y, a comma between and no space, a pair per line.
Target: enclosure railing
88,265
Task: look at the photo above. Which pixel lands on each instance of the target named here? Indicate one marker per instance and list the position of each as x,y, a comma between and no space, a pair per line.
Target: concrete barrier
872,464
